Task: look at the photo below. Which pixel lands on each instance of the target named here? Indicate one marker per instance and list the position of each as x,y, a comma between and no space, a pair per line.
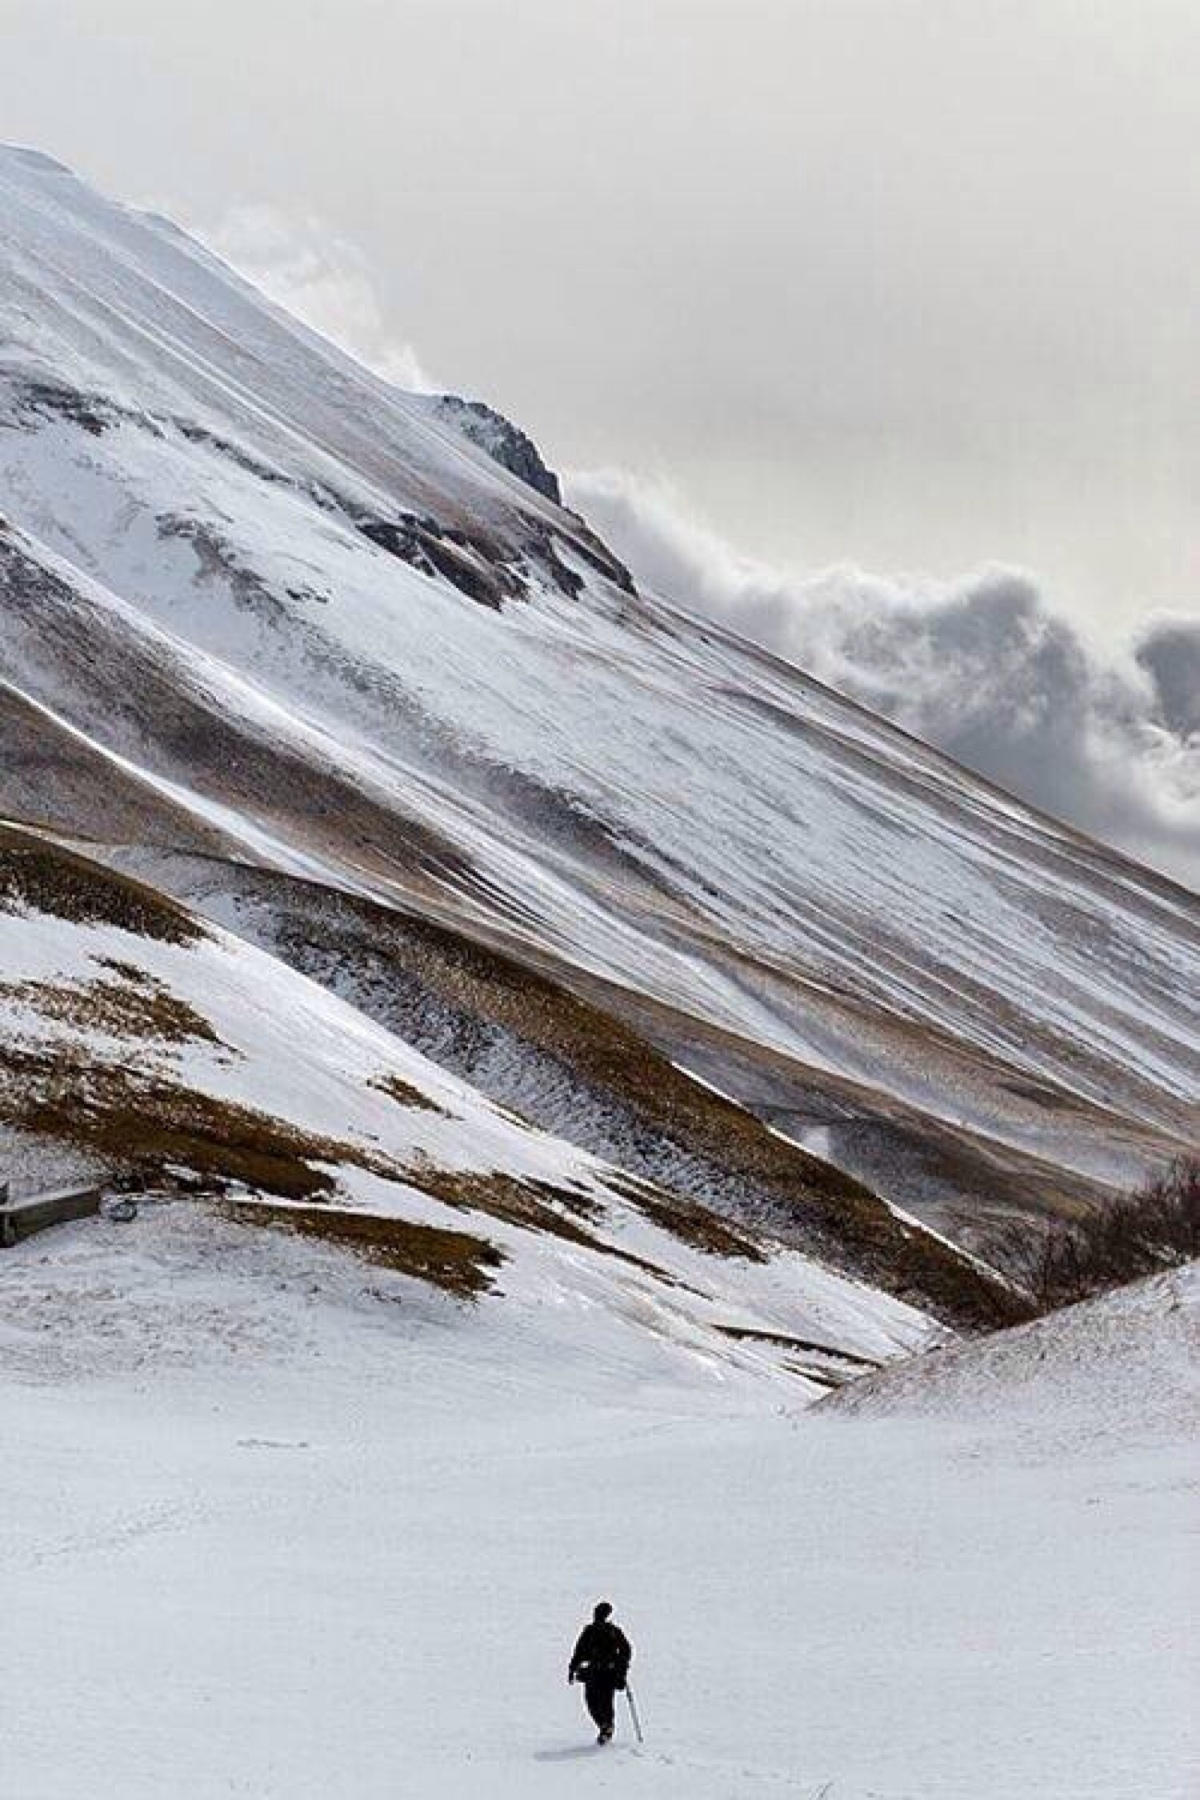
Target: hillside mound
1124,1365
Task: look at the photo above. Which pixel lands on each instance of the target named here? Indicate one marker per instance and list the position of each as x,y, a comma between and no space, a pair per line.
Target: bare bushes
1156,1227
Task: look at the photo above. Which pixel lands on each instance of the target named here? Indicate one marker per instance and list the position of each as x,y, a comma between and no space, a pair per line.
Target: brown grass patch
692,1223
521,1200
405,1094
40,877
455,1261
147,1011
142,1124
531,1204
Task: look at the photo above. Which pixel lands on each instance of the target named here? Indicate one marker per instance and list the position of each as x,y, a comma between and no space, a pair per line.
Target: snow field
337,1541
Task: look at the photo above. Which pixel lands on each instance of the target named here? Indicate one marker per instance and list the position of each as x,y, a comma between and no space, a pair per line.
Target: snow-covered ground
277,1525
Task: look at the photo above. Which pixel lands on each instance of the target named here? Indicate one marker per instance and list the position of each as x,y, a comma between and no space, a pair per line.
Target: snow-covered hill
155,1044
315,657
1125,1366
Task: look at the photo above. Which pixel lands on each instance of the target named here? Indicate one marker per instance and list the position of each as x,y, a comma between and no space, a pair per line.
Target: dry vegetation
42,877
132,1005
454,1261
405,1094
694,1225
141,1124
1155,1228
531,1204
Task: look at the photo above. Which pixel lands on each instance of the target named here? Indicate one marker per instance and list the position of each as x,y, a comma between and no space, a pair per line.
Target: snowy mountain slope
569,1066
148,1041
299,621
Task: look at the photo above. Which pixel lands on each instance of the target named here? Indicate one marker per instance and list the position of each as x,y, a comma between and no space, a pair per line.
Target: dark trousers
598,1691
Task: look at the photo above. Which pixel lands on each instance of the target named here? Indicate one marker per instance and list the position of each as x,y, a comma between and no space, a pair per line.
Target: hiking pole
633,1713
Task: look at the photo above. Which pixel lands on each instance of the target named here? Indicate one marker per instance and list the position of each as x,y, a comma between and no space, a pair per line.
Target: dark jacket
603,1653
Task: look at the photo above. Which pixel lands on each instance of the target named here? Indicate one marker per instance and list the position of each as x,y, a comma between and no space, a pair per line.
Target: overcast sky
870,326
906,283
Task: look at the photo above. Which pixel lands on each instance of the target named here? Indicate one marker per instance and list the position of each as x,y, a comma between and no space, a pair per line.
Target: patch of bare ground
455,1261
139,1008
692,1224
533,1205
405,1094
37,876
142,1123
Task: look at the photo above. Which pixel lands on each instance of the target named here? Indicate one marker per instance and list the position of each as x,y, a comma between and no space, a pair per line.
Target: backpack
607,1651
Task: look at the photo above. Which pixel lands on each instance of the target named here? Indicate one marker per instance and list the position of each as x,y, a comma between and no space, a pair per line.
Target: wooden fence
24,1213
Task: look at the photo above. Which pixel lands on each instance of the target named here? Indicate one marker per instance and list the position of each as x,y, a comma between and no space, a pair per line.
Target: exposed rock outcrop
503,441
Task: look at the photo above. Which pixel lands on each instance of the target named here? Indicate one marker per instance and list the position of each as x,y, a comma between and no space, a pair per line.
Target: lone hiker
601,1661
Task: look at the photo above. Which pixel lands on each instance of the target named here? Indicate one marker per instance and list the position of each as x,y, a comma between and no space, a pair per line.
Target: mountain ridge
281,644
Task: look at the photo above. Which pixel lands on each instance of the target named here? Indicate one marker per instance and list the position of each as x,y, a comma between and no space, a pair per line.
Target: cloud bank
984,668
323,278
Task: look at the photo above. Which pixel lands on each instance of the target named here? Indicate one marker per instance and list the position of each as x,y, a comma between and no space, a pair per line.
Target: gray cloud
984,668
1169,652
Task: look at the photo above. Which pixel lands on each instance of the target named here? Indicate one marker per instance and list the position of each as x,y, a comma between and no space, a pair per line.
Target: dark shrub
1156,1227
